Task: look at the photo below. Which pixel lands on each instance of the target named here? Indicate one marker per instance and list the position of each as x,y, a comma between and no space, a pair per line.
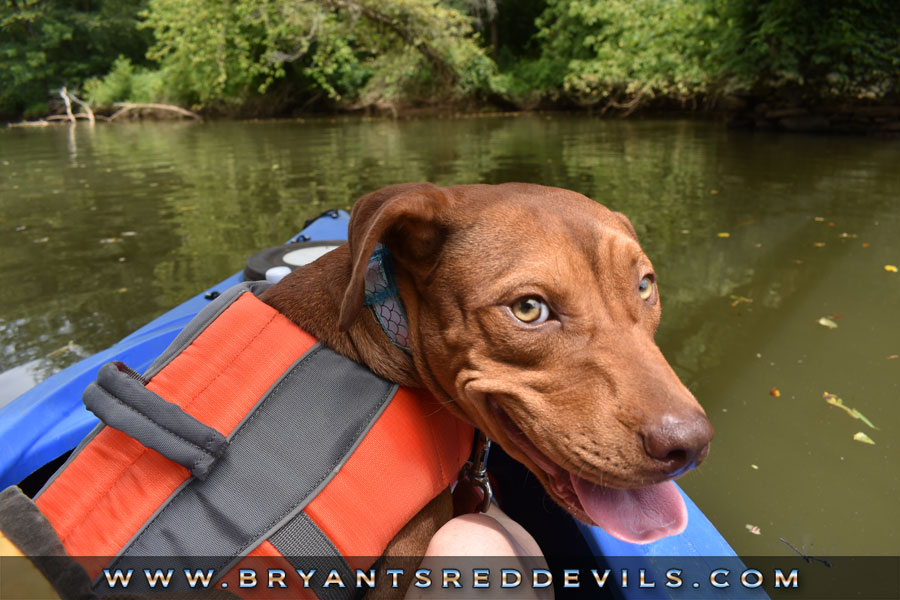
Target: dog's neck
311,297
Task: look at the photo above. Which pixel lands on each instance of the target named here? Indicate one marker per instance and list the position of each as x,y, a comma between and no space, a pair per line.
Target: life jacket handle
120,399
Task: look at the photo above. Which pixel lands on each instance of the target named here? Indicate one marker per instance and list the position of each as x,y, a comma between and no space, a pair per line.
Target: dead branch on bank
65,97
68,98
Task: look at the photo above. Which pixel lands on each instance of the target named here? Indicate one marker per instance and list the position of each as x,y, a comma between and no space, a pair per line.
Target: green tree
45,44
623,52
360,52
829,48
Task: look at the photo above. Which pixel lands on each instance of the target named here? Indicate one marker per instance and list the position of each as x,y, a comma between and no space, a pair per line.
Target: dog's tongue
638,516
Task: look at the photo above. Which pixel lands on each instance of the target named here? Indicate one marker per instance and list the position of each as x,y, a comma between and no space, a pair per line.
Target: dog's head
532,312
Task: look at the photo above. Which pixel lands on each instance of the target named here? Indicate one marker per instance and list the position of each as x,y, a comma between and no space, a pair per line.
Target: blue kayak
48,421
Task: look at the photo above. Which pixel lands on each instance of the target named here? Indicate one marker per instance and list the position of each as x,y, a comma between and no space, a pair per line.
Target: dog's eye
531,310
645,288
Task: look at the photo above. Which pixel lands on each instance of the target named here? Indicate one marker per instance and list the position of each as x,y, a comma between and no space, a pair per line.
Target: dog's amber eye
645,288
531,310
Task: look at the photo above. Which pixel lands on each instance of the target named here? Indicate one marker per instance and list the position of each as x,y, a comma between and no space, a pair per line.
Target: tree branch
378,17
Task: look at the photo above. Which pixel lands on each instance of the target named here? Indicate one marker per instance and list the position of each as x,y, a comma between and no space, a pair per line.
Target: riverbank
735,112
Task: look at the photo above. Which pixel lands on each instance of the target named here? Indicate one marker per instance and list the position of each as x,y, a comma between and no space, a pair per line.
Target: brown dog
532,312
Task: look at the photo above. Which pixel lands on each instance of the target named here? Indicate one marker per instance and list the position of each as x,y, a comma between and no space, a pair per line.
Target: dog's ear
627,222
406,219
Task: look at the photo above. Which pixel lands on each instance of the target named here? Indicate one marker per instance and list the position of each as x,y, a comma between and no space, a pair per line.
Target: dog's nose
678,444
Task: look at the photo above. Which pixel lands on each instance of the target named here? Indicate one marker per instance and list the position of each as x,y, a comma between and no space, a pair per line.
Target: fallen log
80,115
124,107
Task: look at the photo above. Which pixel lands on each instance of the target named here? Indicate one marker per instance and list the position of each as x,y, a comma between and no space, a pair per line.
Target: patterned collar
381,295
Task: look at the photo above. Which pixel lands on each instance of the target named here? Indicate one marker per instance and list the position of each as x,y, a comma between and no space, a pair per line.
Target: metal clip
476,470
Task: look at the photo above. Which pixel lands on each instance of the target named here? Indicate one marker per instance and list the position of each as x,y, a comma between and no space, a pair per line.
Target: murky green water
101,230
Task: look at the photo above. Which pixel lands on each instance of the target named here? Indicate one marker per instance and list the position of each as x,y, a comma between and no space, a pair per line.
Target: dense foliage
45,44
288,55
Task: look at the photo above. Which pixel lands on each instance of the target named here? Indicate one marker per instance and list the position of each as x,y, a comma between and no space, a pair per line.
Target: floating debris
890,268
129,233
775,392
42,240
111,240
723,234
21,227
826,322
753,529
835,401
735,300
754,467
819,244
69,347
861,437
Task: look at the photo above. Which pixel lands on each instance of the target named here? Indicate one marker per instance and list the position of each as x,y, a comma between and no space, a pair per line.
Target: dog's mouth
638,516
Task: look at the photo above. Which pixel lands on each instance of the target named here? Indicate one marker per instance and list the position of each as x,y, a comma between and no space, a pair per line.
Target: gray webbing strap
307,547
286,450
122,402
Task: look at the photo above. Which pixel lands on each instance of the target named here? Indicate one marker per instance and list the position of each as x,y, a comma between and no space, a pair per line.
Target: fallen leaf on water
859,436
723,234
831,223
735,300
819,219
753,529
890,268
866,244
826,322
819,244
893,356
836,316
122,290
713,192
858,415
797,261
835,401
775,392
70,347
111,240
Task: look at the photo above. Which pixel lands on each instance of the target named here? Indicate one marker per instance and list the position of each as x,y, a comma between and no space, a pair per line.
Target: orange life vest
285,448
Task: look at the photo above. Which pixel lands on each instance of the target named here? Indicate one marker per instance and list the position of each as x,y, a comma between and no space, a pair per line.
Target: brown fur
589,389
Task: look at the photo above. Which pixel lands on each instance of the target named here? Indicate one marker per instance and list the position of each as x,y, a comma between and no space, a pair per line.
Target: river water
755,237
